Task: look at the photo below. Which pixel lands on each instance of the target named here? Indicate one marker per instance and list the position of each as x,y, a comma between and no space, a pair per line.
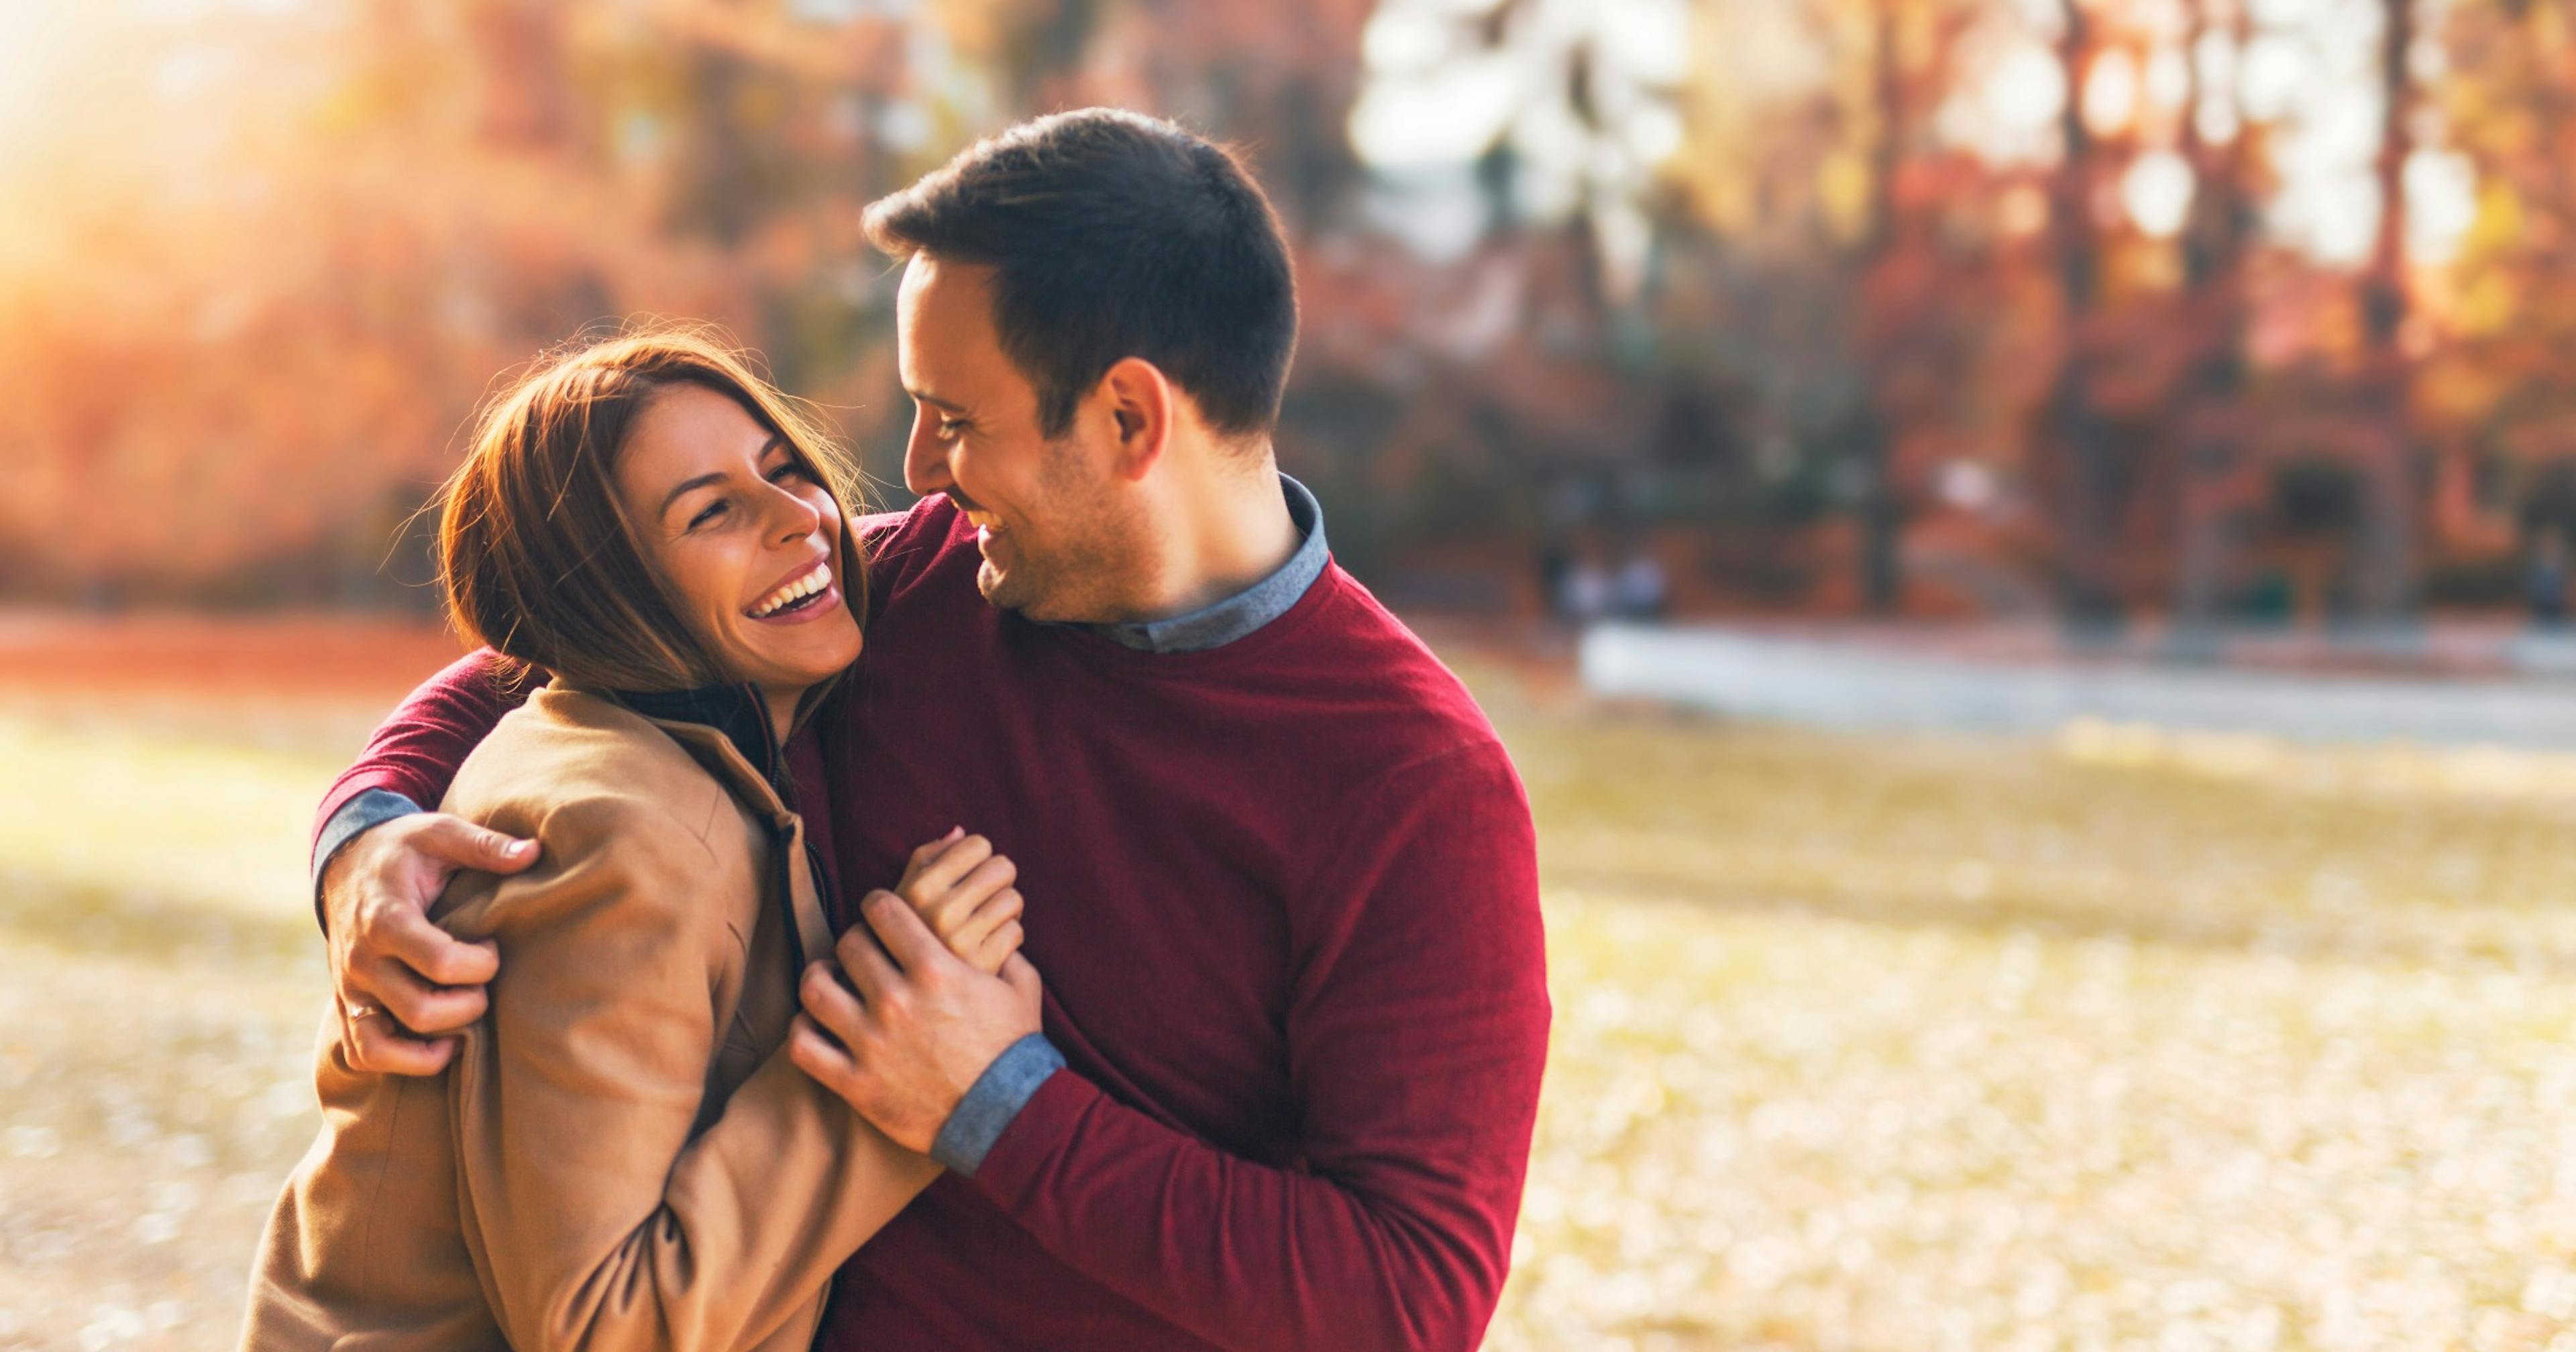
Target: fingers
930,850
377,1046
972,938
904,934
997,948
400,935
458,843
421,1008
991,914
377,890
1023,981
943,872
984,880
817,1054
829,1003
949,912
867,966
425,977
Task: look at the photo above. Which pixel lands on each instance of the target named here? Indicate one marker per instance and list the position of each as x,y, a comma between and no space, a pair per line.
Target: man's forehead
944,321
934,287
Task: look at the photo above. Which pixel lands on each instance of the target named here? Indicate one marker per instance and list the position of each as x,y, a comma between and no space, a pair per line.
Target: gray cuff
994,1100
356,817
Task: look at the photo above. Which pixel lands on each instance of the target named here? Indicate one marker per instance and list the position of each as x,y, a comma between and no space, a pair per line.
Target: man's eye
950,427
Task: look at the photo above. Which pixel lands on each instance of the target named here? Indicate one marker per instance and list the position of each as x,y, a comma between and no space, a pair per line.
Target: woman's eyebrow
776,442
684,486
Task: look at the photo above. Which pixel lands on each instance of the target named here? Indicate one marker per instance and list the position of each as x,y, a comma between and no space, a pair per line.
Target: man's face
1059,531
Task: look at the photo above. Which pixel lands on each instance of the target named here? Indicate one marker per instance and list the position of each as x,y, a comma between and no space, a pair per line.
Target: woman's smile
810,590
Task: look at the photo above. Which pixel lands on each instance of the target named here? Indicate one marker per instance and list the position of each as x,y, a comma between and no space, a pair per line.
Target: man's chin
999,589
1013,590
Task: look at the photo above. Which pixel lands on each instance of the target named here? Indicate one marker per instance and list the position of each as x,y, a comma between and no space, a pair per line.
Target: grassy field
2119,1040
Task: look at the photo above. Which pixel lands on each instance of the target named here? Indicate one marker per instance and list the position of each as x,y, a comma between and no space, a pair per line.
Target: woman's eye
710,513
790,470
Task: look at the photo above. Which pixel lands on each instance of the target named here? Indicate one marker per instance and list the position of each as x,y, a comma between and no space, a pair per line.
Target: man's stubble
1089,560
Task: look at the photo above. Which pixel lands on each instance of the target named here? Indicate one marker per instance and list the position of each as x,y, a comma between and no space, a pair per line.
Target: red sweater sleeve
416,750
1417,1032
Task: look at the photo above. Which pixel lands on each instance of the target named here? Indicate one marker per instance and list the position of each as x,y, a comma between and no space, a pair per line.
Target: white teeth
984,519
802,587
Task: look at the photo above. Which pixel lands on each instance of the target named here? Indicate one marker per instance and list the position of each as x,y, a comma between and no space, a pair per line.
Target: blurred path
1981,684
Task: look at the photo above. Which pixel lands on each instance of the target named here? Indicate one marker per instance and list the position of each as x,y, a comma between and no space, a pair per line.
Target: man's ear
1141,403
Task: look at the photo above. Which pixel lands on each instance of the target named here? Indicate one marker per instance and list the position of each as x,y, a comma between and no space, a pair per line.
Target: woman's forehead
691,421
685,432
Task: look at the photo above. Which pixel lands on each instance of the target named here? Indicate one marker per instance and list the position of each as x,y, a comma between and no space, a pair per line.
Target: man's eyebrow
935,401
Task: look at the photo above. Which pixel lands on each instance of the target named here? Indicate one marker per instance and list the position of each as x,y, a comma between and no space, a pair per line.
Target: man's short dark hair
1115,235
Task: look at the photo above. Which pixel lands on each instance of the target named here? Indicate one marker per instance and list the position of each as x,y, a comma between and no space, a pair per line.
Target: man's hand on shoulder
404,985
921,1029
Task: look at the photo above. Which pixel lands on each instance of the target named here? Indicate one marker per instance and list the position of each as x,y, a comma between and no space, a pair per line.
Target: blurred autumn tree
2216,308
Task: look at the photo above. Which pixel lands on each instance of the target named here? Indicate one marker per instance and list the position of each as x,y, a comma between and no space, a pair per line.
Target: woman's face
749,542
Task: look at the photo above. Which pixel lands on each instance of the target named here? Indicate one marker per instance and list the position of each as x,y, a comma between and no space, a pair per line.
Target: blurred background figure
2548,580
1640,593
1586,589
2079,860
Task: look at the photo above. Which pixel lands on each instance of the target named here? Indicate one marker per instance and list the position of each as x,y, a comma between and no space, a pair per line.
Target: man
1280,875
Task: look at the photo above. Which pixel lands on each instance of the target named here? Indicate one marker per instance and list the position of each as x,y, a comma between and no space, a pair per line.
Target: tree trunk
2072,430
2214,252
2385,582
1882,580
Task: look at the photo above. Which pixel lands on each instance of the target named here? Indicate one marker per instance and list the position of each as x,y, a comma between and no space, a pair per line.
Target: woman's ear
1141,404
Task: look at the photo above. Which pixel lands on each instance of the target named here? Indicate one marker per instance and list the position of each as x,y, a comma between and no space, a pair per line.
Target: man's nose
925,463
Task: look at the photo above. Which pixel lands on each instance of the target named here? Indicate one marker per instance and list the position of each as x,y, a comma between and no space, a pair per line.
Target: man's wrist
993,1101
354,818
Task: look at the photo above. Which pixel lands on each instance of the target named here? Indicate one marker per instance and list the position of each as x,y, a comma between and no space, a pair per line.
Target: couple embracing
1069,914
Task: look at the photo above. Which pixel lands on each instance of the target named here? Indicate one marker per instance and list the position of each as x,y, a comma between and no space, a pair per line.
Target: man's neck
1229,530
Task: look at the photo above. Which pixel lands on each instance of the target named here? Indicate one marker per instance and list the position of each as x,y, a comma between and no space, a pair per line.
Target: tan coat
621,1155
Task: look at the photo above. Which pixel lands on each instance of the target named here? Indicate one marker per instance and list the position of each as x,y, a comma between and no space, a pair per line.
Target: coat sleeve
1417,1031
595,1219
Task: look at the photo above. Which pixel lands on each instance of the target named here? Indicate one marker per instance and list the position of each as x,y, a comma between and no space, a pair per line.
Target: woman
621,1154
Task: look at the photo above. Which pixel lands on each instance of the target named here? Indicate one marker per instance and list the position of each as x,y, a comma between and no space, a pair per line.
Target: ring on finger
358,1012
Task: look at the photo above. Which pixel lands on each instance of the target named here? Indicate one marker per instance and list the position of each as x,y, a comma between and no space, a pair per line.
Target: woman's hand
963,891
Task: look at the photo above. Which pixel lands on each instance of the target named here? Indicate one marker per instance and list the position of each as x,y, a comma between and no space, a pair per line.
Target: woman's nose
796,518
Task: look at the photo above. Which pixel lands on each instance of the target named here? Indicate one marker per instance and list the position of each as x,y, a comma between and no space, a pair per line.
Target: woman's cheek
709,590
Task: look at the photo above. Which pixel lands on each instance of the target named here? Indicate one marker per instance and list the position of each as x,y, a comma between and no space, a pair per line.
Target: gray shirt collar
1217,625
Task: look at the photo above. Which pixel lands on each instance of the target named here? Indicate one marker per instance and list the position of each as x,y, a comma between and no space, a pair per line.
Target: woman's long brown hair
535,552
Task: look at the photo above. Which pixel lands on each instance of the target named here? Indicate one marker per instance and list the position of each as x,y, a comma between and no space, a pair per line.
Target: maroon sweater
1284,897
